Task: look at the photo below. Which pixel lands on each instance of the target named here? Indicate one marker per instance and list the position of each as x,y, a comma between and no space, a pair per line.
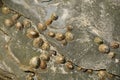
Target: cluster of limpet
103,74
5,10
103,48
48,22
64,38
38,42
13,20
41,61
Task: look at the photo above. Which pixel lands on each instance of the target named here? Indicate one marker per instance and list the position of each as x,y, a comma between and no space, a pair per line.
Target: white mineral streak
36,1
106,24
117,60
12,55
65,15
89,1
7,68
56,4
103,28
63,70
7,39
62,20
53,68
84,39
107,29
1,66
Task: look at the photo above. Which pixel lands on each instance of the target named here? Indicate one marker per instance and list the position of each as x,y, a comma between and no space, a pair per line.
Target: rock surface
89,18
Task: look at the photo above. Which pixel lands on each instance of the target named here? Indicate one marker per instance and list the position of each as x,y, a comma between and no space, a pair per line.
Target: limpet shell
15,17
45,57
102,74
43,64
54,16
48,22
26,23
31,33
35,62
8,22
38,42
59,36
114,44
98,40
69,65
41,27
51,34
111,55
69,36
60,59
19,26
5,10
103,48
45,46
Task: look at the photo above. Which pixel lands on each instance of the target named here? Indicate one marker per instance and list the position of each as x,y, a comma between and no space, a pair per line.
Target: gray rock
89,18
